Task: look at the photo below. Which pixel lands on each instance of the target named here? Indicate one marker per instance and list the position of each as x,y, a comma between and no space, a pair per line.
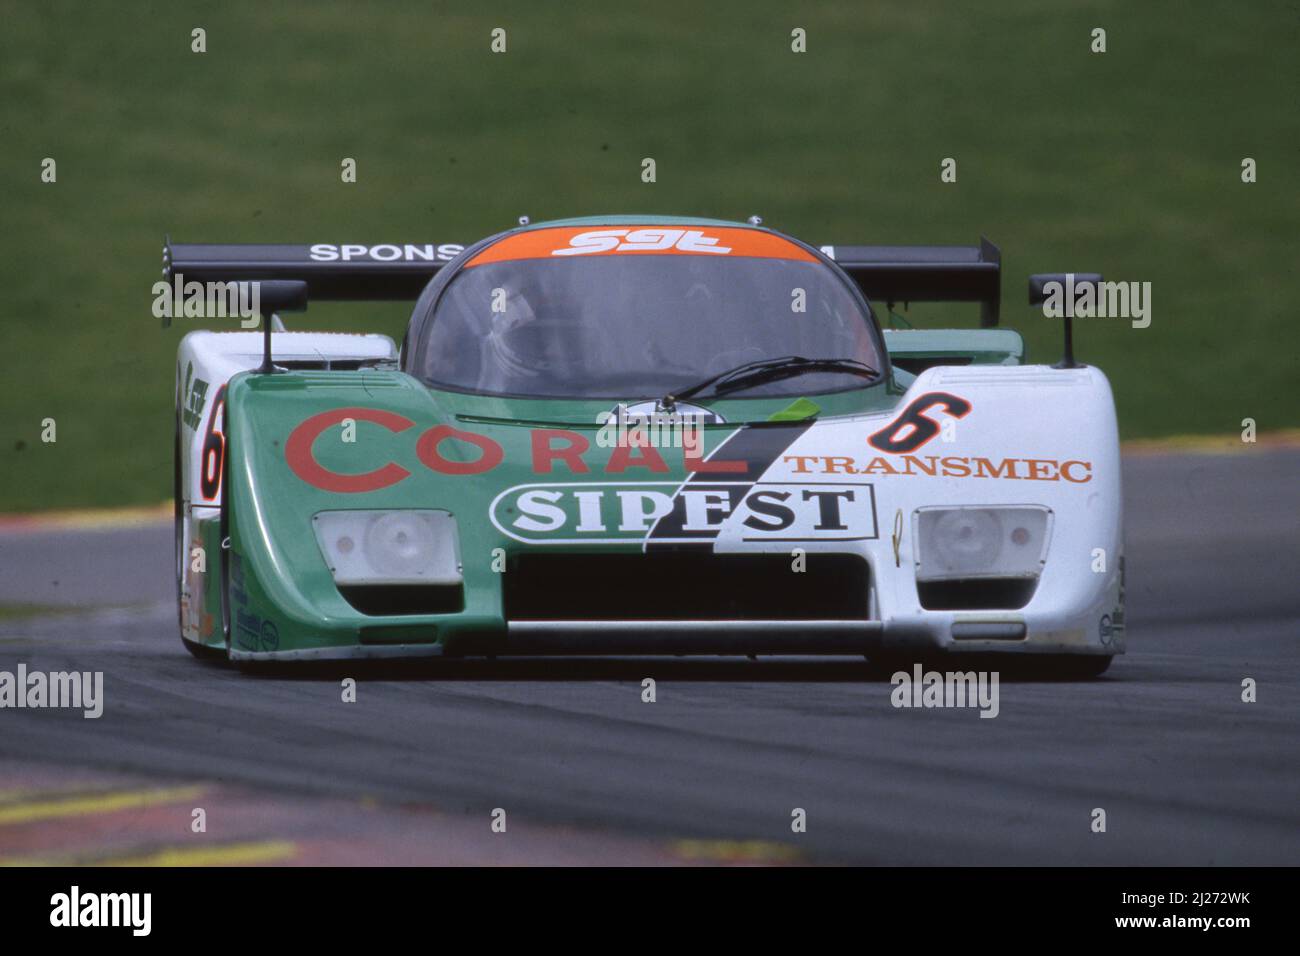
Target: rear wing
926,274
332,272
397,272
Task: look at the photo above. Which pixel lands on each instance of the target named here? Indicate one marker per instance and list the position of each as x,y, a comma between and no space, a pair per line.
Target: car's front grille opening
685,585
976,594
399,634
381,600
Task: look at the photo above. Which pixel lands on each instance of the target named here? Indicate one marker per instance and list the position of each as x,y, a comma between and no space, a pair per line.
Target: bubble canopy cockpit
639,311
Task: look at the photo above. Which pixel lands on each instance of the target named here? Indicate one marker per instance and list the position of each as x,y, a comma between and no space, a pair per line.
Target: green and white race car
638,435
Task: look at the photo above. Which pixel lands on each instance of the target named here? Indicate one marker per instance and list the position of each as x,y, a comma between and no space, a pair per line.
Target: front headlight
389,547
981,542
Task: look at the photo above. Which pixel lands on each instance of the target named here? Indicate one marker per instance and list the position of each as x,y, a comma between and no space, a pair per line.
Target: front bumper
1083,617
957,634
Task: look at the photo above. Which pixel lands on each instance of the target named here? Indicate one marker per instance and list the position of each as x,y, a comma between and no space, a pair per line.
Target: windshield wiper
767,370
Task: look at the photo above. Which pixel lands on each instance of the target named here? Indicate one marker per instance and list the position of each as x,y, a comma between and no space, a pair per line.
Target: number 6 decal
214,450
912,429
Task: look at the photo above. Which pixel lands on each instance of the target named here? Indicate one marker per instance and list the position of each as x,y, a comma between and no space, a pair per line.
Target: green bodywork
278,571
911,350
981,346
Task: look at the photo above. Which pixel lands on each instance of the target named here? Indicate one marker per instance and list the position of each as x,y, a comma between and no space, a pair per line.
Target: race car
639,435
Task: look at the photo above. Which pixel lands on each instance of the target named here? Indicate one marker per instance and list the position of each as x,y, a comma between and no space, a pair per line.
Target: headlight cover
389,547
996,541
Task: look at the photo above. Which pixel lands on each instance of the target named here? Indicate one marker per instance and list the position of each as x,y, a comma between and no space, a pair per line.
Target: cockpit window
637,312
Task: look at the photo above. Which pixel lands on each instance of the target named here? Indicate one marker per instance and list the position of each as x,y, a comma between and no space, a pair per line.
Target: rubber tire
203,652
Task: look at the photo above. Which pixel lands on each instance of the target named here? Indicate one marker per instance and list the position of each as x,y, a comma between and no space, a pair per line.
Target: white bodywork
1036,439
1019,416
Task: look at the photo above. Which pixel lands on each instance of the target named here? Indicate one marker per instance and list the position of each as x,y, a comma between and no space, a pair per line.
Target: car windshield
610,323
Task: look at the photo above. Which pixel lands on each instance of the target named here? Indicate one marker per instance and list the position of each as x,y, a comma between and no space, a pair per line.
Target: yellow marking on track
233,854
1228,443
88,519
84,805
736,851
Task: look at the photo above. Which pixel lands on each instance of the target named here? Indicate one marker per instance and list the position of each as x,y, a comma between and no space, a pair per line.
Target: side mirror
1062,290
282,295
1070,286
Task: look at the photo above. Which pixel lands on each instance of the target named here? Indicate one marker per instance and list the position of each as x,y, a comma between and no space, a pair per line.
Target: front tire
203,652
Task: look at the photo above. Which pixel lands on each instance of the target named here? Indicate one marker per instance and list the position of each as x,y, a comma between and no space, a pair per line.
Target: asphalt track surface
1186,772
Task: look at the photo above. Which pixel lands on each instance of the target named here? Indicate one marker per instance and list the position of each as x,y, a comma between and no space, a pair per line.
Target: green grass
1126,162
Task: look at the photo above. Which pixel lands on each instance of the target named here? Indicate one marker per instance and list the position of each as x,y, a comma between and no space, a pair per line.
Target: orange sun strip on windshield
563,242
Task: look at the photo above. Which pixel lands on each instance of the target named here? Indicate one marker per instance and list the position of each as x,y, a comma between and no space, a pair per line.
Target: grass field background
1126,162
